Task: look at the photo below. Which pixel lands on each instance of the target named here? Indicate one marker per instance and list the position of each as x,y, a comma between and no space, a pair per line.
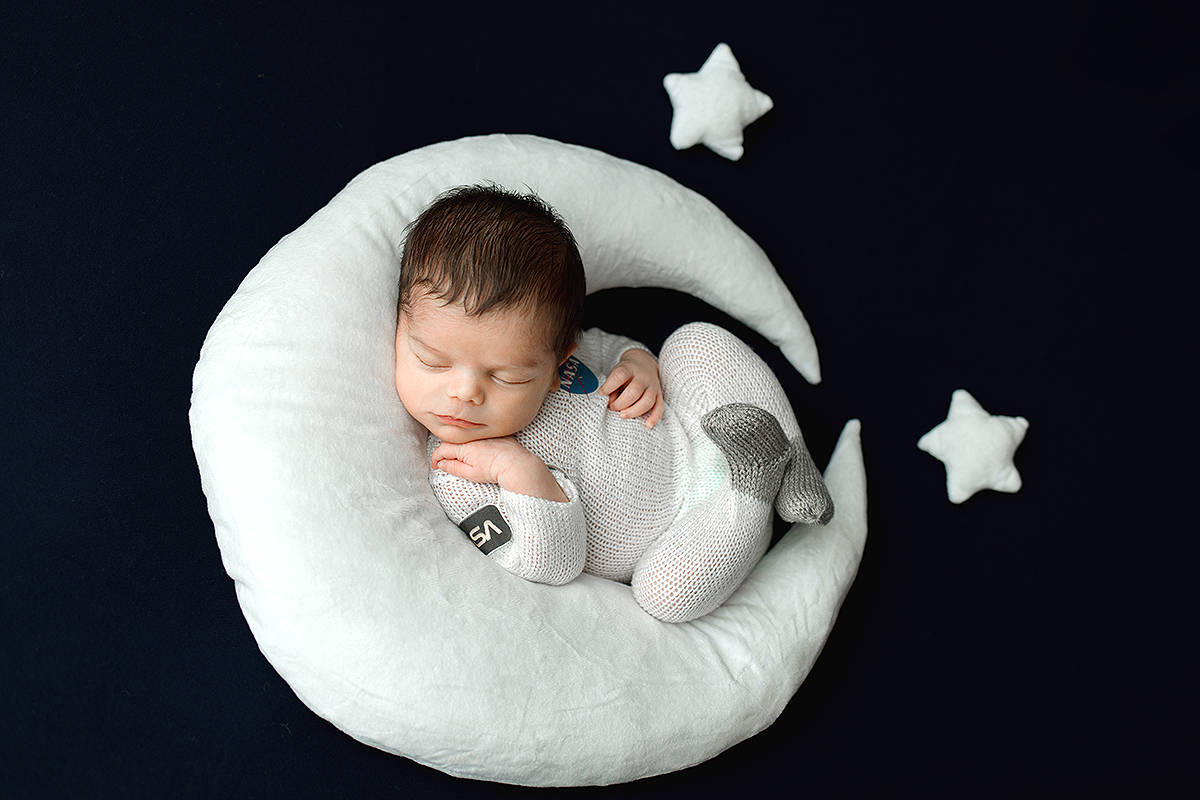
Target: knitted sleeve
537,539
607,348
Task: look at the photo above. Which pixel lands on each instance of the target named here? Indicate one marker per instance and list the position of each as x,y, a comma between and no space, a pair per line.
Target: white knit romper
652,507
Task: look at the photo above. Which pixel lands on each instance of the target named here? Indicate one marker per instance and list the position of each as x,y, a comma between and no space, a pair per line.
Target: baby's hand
634,387
503,461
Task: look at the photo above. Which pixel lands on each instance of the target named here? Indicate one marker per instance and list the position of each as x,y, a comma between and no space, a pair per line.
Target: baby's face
466,378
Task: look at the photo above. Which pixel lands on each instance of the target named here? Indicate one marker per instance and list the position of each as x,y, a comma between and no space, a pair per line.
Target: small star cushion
714,105
976,447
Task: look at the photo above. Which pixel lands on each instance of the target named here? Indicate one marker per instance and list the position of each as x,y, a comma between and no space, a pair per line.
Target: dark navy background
996,197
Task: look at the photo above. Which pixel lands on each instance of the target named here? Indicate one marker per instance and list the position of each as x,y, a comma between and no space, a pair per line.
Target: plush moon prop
370,603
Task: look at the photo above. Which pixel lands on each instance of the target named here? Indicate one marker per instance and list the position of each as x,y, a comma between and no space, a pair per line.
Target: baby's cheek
404,391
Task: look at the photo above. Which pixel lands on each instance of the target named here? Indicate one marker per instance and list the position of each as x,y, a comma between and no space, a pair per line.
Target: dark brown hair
494,249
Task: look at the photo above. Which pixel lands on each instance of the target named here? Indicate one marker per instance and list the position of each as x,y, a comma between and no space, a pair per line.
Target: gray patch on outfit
754,445
765,465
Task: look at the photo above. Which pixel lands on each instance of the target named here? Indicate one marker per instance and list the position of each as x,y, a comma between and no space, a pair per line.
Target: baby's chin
456,435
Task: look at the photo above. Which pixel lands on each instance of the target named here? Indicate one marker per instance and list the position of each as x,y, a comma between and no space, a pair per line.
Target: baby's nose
467,389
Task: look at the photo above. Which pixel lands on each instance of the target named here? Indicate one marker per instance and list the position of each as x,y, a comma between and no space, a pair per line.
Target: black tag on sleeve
487,529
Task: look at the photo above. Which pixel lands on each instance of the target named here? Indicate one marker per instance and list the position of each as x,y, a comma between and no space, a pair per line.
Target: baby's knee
707,344
695,337
678,598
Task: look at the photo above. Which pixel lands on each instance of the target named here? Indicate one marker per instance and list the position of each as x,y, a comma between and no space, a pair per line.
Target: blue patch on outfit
575,377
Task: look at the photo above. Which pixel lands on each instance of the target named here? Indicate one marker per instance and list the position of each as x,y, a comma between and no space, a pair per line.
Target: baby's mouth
458,423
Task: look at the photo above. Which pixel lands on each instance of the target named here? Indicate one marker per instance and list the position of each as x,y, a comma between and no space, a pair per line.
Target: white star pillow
714,105
976,447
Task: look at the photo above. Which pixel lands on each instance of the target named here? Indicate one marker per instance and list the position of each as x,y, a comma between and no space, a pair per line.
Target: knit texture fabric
678,514
753,444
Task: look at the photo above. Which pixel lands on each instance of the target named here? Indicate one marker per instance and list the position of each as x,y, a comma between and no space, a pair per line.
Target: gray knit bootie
764,464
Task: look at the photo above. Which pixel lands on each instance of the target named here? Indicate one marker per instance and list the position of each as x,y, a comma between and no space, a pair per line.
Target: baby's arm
535,538
501,461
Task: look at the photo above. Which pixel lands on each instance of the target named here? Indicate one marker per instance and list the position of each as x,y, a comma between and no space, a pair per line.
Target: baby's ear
570,350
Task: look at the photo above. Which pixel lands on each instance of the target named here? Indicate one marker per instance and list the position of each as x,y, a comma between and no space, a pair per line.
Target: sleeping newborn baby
558,451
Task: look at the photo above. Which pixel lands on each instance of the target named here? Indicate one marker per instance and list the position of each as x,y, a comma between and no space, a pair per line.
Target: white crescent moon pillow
371,604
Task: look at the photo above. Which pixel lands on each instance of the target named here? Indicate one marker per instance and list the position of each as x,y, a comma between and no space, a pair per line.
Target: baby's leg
725,523
705,367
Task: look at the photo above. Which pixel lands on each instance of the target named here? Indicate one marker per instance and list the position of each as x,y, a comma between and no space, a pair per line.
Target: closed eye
426,363
497,378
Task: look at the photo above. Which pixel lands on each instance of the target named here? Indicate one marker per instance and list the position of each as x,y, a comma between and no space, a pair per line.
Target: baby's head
490,304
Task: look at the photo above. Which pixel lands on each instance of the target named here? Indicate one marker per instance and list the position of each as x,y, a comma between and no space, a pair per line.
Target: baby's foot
803,496
754,445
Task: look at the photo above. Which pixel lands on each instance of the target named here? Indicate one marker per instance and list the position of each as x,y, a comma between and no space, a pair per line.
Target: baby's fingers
644,404
466,454
628,396
445,450
460,469
615,380
656,413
